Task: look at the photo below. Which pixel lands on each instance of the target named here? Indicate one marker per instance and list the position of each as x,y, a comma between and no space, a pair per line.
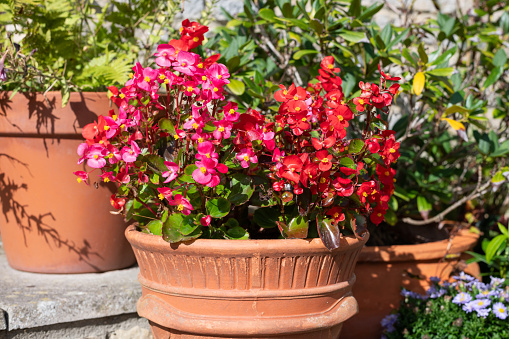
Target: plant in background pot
193,170
50,52
453,84
465,308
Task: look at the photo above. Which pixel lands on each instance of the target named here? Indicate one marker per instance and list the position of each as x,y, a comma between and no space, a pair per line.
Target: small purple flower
500,311
496,281
388,322
483,312
409,294
434,279
434,293
462,298
464,277
486,293
478,304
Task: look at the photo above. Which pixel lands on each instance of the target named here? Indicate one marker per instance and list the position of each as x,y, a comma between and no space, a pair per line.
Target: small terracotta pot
50,223
383,270
208,288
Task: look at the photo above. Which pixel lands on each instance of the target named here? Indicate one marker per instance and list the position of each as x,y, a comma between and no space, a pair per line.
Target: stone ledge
30,300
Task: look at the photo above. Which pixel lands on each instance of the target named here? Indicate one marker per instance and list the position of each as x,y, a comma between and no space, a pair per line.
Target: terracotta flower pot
245,288
50,223
382,271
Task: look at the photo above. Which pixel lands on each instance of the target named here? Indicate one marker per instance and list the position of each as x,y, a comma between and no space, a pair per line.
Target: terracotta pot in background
382,271
208,288
49,222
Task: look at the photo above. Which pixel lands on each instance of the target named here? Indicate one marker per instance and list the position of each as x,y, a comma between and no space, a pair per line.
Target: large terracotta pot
50,223
382,271
208,288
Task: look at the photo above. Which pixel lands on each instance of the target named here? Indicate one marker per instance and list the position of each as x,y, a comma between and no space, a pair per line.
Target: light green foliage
449,147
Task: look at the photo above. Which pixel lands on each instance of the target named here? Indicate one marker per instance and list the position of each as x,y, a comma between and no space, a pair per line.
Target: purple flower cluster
472,295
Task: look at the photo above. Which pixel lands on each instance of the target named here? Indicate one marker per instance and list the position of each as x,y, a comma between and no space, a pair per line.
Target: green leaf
456,109
444,57
370,11
236,87
329,232
493,77
266,217
503,230
502,150
406,54
66,94
237,233
267,14
167,126
155,227
422,54
218,207
316,25
355,8
351,35
441,72
242,189
446,23
179,228
494,246
297,228
423,204
347,162
500,58
157,162
355,146
304,52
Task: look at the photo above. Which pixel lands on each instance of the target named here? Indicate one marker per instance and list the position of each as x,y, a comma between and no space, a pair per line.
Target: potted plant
56,59
441,176
194,171
465,308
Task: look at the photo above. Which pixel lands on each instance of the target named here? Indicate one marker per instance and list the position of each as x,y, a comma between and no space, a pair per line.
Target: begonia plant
190,164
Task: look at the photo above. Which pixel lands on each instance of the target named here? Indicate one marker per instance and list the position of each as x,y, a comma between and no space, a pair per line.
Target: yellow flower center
147,79
200,140
340,118
361,102
216,89
203,169
114,117
131,75
325,160
176,137
162,76
106,127
322,180
122,95
203,77
221,129
96,156
330,66
331,128
392,150
336,215
200,65
161,196
364,194
207,155
246,158
184,64
189,88
166,81
180,207
79,180
106,179
195,39
181,29
285,92
195,125
374,192
122,126
387,173
295,98
501,310
304,119
231,111
297,108
379,215
219,76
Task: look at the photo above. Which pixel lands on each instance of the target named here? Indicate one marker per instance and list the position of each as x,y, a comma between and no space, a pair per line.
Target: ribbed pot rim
463,241
231,247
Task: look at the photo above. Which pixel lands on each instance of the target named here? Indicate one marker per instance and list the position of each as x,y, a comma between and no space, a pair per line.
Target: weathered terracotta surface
49,222
382,271
245,288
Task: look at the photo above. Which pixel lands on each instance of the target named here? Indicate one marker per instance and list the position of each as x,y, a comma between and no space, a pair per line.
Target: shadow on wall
45,211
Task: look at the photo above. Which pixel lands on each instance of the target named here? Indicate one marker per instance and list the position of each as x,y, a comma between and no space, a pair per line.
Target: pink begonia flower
215,92
185,63
223,129
138,74
183,204
142,178
82,152
194,123
200,137
219,74
204,173
245,156
180,134
191,88
205,221
267,136
107,176
82,176
164,193
277,157
206,152
230,112
123,176
165,55
147,81
95,156
172,172
130,154
114,155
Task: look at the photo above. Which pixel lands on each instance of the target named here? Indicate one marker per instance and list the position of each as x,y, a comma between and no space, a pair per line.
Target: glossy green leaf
304,52
297,228
242,189
267,14
266,217
441,72
236,87
237,233
493,77
218,207
444,57
500,58
422,53
494,246
157,162
167,126
155,227
316,25
456,109
355,146
347,162
352,36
